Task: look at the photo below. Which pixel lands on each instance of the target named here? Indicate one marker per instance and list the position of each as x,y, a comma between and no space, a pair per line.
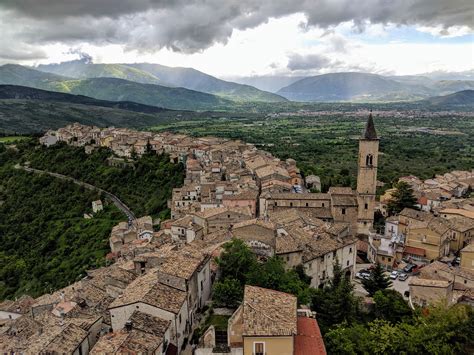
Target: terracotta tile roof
255,221
337,190
183,263
211,212
57,340
270,170
268,312
149,324
414,251
183,222
146,289
287,244
343,200
459,211
244,195
293,216
438,225
468,248
295,196
414,214
309,340
417,281
21,305
461,224
127,342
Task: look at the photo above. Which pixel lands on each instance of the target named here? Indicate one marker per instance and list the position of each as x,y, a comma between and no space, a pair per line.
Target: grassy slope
168,76
81,70
113,89
148,94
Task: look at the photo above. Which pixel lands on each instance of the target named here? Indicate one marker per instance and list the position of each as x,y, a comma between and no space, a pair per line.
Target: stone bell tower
367,177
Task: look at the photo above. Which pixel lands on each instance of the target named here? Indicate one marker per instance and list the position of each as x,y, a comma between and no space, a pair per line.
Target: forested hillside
46,241
144,187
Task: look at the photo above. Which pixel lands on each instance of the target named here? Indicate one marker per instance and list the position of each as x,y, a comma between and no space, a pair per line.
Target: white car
394,275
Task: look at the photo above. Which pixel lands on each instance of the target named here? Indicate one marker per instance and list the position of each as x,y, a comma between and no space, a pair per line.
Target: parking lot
400,286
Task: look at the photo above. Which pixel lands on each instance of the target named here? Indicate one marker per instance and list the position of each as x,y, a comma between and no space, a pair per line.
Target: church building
339,204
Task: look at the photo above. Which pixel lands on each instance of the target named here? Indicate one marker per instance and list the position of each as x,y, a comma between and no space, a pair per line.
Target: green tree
228,293
376,281
390,306
272,274
402,198
236,261
443,330
335,303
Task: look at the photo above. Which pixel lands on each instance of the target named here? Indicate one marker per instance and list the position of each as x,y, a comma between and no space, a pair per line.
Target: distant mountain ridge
147,73
112,89
15,92
353,86
460,98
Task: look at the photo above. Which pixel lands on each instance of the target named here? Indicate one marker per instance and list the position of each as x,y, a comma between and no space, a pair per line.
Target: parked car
394,275
409,268
363,274
403,276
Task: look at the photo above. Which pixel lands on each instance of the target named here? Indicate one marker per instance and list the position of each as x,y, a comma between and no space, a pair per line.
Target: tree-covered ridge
46,241
144,186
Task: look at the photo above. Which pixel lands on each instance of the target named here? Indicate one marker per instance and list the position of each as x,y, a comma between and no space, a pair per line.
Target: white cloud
451,32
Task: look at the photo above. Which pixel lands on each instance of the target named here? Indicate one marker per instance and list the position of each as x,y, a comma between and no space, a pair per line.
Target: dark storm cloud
310,61
194,25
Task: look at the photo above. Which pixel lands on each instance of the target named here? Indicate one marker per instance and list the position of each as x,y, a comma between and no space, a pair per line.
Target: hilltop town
155,292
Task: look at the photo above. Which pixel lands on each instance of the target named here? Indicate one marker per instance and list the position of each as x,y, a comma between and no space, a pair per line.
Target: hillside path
115,200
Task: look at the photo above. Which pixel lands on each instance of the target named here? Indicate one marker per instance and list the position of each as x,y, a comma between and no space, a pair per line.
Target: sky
230,38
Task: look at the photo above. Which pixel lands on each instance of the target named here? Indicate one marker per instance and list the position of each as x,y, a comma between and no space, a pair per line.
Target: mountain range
190,89
146,73
113,89
366,87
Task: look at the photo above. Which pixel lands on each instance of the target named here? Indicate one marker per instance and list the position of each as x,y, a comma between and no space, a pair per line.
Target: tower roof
370,132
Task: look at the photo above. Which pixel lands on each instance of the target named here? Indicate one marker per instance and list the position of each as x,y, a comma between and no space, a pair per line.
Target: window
343,211
180,319
366,206
291,204
369,159
323,204
334,254
350,250
307,204
383,258
347,264
259,348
